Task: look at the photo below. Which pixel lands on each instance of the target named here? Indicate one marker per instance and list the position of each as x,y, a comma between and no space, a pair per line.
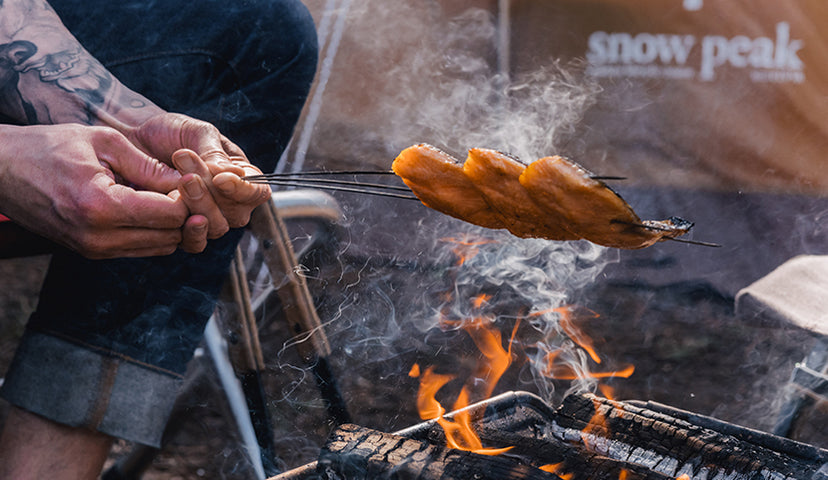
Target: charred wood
673,446
354,452
587,437
522,425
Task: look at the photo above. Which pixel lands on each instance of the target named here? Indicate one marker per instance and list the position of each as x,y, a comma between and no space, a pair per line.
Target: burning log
667,443
354,452
518,419
587,437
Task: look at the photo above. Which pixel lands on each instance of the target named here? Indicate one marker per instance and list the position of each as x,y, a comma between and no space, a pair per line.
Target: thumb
137,168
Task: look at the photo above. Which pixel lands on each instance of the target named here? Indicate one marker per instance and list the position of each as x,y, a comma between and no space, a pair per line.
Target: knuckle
92,213
91,245
219,231
107,136
167,250
239,221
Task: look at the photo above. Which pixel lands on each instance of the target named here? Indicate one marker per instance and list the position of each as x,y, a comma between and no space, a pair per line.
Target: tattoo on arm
46,76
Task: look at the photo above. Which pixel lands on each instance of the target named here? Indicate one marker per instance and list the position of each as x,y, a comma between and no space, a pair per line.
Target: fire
555,468
572,331
496,360
466,248
566,371
480,300
597,425
563,371
459,431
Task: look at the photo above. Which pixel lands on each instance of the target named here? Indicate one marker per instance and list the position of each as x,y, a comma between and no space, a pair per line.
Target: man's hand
92,190
212,168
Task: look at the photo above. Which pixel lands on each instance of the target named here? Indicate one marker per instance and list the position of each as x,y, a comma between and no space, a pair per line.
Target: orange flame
607,391
480,300
596,426
562,371
465,248
555,468
488,341
459,431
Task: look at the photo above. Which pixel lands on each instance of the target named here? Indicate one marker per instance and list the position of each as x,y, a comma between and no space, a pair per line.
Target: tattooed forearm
46,76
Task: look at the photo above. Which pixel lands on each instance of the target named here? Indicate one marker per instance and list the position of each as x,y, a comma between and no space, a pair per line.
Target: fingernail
184,161
193,189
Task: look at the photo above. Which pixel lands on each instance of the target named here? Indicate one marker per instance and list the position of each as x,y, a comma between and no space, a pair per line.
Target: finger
194,234
132,164
197,197
188,161
240,191
143,209
229,167
130,242
208,143
232,149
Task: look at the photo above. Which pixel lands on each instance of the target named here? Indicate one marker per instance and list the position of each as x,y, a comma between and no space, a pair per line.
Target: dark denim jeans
110,340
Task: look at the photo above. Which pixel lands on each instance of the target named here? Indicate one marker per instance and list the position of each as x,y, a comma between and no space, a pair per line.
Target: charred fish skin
437,179
671,228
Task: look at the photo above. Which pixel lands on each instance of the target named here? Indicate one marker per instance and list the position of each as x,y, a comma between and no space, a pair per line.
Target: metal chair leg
808,378
240,363
297,305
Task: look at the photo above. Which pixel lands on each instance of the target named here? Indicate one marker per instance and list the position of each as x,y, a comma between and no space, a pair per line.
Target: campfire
519,435
632,440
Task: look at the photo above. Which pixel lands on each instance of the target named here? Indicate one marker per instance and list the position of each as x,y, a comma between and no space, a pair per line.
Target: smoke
452,96
425,74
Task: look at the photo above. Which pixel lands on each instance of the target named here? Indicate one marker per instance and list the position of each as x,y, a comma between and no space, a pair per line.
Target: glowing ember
555,468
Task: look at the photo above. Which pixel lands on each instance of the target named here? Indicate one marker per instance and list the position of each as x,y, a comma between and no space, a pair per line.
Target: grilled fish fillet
591,209
552,198
438,180
496,175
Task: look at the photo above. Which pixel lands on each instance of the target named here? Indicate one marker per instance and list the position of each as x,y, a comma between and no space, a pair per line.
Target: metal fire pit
587,437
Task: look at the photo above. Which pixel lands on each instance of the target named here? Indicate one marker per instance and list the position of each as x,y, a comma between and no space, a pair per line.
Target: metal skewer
269,176
353,187
606,177
662,229
311,179
694,242
320,172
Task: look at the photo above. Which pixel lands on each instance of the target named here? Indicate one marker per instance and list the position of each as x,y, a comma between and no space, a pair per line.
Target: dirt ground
375,296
